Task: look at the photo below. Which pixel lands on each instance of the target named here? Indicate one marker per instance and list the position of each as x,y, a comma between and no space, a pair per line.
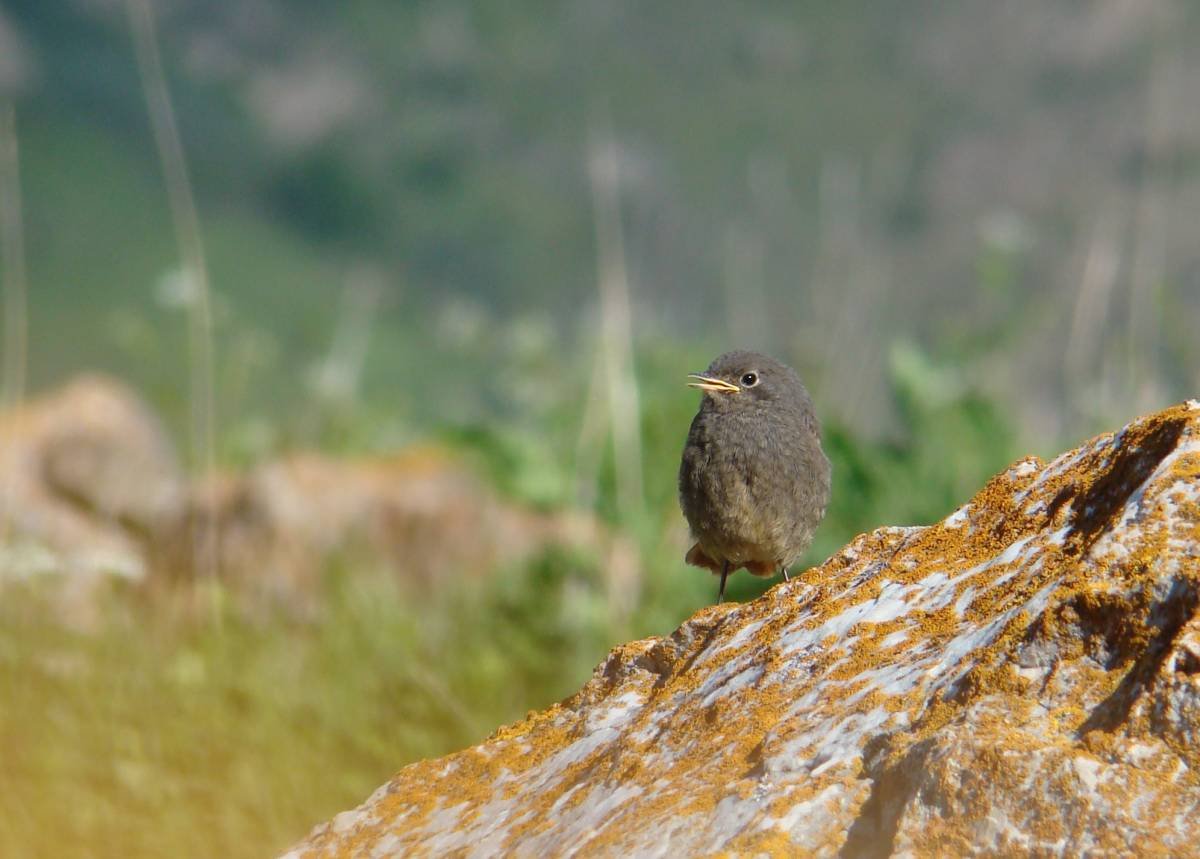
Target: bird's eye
749,380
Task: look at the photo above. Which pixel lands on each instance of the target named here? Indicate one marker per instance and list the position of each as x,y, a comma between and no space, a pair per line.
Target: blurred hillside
507,231
1010,186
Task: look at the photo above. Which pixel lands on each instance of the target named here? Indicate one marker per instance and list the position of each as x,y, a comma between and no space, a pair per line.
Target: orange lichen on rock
1020,678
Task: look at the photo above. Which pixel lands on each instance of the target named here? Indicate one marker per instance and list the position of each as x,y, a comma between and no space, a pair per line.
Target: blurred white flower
1006,231
177,289
461,321
530,337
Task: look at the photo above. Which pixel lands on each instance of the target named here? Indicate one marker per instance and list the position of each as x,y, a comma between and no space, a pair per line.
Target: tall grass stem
15,300
186,222
616,340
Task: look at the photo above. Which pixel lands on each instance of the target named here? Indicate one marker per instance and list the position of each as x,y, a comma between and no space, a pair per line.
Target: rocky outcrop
91,489
85,474
420,514
1022,678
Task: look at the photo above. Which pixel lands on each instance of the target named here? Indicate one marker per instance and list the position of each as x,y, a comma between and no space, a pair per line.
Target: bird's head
744,380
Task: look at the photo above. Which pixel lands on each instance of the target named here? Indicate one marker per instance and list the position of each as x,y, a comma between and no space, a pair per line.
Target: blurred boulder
1021,678
90,488
421,515
86,474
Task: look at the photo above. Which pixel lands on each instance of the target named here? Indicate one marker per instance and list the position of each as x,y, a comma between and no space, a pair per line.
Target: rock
421,515
1022,678
90,488
84,472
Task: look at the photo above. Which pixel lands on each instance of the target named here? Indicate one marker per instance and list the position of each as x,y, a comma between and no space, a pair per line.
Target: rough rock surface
1022,678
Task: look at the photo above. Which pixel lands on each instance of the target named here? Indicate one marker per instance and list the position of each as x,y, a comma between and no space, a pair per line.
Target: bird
754,481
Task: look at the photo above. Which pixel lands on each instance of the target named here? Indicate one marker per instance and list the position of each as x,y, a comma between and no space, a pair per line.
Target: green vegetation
870,169
157,733
964,238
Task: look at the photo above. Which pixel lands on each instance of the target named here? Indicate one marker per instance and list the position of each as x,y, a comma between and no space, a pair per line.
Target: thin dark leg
724,576
784,570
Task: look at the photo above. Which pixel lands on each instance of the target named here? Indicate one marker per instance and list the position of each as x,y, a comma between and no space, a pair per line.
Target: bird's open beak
709,383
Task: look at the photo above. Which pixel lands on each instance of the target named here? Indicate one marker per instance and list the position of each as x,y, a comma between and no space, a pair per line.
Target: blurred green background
510,230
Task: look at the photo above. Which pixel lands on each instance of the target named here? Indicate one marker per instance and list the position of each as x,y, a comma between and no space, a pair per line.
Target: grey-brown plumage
754,482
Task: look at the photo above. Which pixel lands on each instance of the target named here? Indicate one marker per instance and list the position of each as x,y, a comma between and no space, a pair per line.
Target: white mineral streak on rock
958,518
389,845
1057,467
1024,468
1088,771
1023,678
1133,505
726,682
740,638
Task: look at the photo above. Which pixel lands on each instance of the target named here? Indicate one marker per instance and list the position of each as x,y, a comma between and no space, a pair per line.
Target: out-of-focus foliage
148,736
971,228
808,179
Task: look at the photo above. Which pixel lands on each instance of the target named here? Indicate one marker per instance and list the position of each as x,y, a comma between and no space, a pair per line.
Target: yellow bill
709,383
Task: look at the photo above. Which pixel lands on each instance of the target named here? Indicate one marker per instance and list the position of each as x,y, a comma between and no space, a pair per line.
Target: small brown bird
754,482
